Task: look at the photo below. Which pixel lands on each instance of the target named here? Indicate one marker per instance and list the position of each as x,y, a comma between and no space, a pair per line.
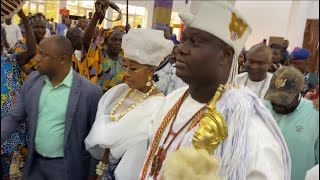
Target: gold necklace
211,123
117,117
212,128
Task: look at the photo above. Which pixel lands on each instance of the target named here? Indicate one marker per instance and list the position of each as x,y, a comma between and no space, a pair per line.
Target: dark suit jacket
80,115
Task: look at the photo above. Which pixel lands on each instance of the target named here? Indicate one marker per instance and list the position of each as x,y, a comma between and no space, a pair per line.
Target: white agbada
259,88
254,149
127,138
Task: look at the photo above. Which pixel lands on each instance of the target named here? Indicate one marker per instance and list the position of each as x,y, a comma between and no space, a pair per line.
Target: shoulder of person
31,79
240,78
242,75
32,76
249,108
118,88
267,104
308,105
176,94
241,94
115,92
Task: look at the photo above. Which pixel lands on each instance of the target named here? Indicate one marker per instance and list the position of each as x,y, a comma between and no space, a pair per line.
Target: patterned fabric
75,64
16,166
113,163
119,28
100,69
76,60
11,81
5,165
167,80
32,65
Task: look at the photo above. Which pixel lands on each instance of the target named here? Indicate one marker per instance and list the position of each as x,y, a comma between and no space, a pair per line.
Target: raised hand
22,15
103,4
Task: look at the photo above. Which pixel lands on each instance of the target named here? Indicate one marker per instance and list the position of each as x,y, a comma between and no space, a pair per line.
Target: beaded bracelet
100,168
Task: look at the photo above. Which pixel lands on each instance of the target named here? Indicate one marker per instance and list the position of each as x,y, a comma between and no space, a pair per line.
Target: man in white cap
209,112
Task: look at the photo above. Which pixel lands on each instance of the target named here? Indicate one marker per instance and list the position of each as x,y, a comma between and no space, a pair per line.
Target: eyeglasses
133,70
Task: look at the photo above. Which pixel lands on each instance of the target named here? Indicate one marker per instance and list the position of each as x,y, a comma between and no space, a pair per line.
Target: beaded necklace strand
117,117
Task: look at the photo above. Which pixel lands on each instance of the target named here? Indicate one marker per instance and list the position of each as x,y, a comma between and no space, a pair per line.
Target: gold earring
149,81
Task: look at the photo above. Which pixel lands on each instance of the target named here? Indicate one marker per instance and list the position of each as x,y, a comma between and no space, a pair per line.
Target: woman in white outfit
125,116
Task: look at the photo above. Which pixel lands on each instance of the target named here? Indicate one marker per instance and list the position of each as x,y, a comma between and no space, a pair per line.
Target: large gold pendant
212,128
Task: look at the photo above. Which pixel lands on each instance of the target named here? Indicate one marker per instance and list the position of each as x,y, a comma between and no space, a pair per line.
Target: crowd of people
125,103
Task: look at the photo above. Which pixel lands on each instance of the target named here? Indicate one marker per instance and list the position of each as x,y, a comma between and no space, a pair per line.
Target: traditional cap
222,20
285,84
146,46
300,54
37,17
115,29
10,8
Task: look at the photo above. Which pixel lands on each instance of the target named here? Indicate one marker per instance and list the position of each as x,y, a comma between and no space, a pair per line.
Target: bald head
261,49
60,45
259,61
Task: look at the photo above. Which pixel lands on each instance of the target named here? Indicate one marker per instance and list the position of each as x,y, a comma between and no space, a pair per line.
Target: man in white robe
257,79
254,148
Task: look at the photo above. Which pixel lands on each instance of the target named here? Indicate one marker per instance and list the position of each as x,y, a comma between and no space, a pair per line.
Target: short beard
290,109
287,110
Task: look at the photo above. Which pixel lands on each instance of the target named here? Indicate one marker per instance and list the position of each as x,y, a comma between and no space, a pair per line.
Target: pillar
161,13
61,5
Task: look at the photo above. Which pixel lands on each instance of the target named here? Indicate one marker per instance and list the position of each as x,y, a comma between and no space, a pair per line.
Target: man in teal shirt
297,119
60,107
50,126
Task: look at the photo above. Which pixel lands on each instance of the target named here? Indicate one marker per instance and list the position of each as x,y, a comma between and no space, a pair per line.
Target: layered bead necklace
157,156
211,124
117,117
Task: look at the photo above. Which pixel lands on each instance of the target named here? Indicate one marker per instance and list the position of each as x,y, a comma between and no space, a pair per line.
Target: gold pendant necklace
212,128
212,124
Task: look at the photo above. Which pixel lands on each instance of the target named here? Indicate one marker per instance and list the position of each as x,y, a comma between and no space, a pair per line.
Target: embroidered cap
285,84
222,20
146,46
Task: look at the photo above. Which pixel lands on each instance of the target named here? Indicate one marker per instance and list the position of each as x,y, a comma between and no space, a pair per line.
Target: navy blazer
80,115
